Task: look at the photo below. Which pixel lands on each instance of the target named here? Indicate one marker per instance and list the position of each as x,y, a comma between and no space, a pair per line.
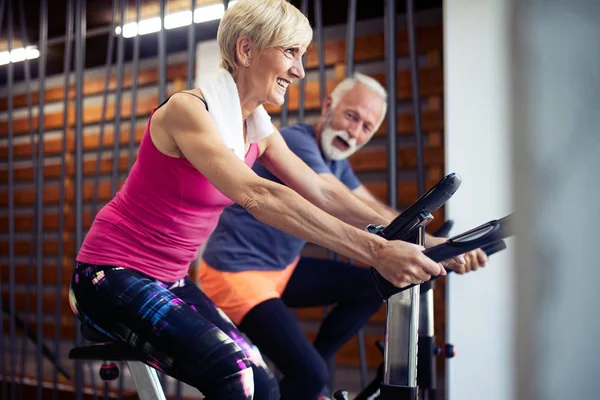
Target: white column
478,147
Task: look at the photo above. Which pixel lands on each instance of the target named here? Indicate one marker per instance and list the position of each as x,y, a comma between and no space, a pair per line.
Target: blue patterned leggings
175,328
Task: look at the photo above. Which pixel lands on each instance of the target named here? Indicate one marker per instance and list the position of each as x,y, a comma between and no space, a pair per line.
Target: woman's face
273,70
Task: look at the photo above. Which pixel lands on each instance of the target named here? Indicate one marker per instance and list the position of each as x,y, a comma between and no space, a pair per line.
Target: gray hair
347,84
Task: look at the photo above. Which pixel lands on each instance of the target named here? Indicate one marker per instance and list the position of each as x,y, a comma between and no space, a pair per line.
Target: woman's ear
244,50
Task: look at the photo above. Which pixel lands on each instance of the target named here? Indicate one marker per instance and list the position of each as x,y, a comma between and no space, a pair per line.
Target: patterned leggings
175,328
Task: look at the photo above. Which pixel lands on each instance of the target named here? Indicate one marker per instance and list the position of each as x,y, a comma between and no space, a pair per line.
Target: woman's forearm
282,208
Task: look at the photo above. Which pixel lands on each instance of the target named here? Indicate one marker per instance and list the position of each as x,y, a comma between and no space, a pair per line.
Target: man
254,272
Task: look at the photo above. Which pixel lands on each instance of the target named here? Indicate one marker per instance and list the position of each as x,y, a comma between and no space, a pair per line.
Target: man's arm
366,197
323,190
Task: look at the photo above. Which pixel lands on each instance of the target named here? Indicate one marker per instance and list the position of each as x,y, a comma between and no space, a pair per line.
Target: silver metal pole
162,56
40,191
191,59
118,101
390,59
321,46
10,151
80,36
61,216
108,72
302,85
350,37
402,323
11,211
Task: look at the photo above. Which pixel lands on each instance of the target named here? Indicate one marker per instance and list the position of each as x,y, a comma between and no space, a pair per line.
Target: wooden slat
369,47
49,273
50,222
431,82
364,160
26,197
49,246
348,355
376,160
407,191
48,301
316,314
91,115
405,123
147,76
430,121
67,328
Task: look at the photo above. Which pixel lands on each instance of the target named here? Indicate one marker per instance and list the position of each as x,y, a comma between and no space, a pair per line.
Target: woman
131,280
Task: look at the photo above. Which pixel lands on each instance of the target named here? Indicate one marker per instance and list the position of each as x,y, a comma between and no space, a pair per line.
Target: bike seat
93,335
104,348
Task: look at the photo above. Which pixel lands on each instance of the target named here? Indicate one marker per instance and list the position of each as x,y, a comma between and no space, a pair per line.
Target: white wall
477,144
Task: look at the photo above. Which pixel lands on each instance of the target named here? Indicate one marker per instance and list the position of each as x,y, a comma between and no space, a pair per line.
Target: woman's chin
277,100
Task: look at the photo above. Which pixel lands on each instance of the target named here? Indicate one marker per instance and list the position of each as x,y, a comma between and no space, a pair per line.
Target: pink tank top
164,212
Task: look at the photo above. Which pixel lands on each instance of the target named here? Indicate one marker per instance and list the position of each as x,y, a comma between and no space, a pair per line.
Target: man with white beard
254,272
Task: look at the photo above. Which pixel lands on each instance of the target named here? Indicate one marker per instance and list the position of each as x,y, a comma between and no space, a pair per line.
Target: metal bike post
401,343
426,371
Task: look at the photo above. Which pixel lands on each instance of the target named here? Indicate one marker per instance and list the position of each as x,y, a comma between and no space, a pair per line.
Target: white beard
329,150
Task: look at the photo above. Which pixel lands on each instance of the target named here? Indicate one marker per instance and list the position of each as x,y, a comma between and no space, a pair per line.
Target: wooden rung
316,314
368,47
431,82
52,147
407,191
430,121
67,327
405,123
147,76
376,160
50,222
371,47
91,115
49,247
26,197
48,301
49,273
348,354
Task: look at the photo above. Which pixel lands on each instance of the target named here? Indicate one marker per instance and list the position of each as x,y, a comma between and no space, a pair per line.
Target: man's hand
471,261
404,264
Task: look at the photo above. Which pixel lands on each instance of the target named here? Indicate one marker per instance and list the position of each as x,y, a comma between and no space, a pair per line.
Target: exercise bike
398,378
399,367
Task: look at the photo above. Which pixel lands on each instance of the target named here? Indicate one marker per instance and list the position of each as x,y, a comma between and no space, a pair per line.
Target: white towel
221,94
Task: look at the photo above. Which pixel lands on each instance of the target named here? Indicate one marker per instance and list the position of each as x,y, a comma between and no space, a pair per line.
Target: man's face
351,124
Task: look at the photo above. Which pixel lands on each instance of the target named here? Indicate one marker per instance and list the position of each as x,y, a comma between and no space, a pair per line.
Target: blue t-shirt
240,242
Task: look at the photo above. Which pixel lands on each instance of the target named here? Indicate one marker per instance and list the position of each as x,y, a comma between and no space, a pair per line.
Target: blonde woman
131,281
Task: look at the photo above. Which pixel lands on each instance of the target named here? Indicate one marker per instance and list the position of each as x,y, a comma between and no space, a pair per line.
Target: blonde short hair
266,22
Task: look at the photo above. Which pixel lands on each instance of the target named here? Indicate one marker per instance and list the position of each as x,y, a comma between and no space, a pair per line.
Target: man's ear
326,108
243,49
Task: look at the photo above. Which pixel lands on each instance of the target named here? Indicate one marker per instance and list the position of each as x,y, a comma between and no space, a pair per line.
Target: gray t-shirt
240,242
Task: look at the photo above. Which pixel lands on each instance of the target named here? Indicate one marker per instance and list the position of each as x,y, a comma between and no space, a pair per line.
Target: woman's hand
404,263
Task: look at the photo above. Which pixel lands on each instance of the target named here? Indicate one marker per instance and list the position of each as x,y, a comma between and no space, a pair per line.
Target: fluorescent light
178,19
175,20
19,54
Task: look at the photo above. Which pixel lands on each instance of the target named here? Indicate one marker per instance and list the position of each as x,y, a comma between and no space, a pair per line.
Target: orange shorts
236,293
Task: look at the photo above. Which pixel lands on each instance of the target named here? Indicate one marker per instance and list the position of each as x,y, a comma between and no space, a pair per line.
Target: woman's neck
248,101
